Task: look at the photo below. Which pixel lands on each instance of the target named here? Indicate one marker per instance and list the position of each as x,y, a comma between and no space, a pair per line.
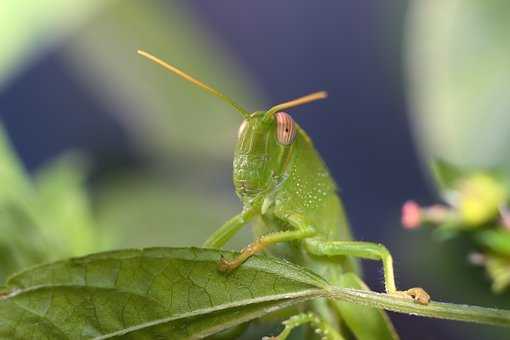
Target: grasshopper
286,190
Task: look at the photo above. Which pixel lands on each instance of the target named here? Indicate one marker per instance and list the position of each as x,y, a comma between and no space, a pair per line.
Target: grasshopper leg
262,243
229,229
371,251
320,327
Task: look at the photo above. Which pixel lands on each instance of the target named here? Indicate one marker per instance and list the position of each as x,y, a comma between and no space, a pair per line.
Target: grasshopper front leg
229,229
232,226
371,251
262,243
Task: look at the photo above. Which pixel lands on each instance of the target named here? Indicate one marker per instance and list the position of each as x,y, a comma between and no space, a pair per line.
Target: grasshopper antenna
298,101
195,81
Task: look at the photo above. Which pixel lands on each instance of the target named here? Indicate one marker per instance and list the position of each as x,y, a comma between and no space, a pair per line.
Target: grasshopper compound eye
285,129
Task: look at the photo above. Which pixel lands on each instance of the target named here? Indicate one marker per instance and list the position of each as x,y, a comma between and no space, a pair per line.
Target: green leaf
498,269
65,205
176,293
446,174
43,218
149,292
15,185
497,241
20,244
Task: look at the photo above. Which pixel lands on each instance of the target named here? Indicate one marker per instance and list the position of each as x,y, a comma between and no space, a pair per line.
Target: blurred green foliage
458,54
164,116
168,117
457,63
185,137
32,27
44,217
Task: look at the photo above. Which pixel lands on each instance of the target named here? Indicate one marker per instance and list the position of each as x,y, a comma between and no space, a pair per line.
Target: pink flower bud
411,215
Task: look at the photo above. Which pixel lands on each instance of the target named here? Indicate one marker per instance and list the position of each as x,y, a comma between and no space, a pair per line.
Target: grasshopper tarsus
224,265
419,295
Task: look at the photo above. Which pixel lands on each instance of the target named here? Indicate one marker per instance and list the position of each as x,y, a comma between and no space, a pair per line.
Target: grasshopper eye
285,129
242,128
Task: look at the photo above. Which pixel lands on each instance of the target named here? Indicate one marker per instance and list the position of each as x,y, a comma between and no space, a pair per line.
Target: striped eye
286,128
241,128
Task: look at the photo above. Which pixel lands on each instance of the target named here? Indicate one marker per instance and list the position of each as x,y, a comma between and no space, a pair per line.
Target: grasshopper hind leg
320,326
371,251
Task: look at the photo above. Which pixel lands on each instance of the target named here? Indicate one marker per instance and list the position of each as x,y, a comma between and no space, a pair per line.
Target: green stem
440,310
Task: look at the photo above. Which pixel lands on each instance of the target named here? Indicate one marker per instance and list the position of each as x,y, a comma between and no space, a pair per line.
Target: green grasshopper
286,189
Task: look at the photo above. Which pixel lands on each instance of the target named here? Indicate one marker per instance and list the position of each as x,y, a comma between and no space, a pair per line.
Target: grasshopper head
264,144
265,138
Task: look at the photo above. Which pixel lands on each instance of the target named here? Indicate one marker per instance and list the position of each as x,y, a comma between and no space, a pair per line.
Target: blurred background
112,152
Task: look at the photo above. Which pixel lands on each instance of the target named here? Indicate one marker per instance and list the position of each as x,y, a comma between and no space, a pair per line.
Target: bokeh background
406,81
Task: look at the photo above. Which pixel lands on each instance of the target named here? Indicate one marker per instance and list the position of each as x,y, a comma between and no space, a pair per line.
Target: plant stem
441,310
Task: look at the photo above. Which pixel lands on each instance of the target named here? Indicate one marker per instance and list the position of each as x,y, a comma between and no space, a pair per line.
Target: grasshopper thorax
262,152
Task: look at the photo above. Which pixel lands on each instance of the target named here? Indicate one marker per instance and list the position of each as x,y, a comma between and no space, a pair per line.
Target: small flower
480,197
411,215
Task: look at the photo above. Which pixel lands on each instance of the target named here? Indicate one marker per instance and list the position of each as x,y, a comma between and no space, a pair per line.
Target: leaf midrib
297,297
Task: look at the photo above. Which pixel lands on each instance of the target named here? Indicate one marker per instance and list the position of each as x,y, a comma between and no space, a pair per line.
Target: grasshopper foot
419,295
226,266
229,265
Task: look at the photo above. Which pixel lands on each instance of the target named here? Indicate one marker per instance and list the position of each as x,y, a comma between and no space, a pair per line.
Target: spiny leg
320,327
371,251
262,243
